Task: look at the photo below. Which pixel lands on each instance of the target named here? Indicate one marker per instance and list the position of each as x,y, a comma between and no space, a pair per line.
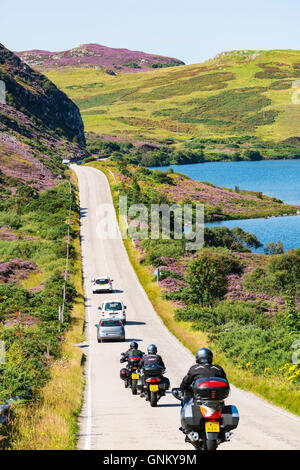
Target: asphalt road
111,417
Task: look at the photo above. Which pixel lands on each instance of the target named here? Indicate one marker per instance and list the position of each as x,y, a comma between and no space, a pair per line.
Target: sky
190,30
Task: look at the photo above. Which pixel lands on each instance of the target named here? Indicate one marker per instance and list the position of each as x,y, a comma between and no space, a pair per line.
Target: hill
33,94
96,56
39,126
236,98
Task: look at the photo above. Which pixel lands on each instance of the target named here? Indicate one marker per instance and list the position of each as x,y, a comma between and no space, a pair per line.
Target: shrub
253,155
206,275
281,275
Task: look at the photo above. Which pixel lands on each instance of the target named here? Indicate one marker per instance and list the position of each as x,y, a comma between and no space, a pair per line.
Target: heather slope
33,94
35,197
238,94
96,56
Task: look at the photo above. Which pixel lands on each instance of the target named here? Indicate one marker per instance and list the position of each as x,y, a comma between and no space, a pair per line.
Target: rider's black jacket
198,371
131,353
151,359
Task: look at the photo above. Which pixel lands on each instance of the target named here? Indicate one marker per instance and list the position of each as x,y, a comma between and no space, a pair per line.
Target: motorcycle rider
150,358
204,367
133,351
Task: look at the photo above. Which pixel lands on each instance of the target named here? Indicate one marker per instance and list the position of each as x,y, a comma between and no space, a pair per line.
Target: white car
113,309
102,284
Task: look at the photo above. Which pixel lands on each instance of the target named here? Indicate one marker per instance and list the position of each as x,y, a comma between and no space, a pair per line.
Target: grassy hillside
245,93
35,198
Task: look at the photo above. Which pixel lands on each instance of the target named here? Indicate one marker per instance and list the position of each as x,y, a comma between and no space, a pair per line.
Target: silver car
110,329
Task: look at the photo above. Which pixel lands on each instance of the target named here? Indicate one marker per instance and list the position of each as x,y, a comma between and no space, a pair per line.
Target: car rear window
101,281
113,306
110,323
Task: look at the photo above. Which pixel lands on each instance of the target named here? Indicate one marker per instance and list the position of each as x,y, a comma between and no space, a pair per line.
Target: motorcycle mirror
177,393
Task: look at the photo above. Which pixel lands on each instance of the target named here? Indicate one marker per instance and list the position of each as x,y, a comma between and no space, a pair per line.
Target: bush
253,155
281,275
206,275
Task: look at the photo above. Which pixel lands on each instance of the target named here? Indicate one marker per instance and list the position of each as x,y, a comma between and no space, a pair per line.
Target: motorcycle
130,374
152,383
205,419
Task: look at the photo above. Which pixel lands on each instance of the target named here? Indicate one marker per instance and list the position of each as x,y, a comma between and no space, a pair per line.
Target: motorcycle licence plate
134,376
153,388
210,426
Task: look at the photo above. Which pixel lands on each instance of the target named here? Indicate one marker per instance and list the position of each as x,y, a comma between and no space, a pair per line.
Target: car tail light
153,380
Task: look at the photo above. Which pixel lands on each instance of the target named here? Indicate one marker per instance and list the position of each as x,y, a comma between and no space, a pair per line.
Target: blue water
277,178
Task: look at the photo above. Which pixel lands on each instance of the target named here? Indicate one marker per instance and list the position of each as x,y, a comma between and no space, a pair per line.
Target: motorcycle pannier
123,373
230,417
164,384
211,388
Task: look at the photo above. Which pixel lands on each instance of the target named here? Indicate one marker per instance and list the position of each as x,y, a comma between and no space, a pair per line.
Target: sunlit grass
50,423
138,95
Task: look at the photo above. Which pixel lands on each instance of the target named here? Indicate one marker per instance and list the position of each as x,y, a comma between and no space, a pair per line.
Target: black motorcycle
206,420
152,383
130,374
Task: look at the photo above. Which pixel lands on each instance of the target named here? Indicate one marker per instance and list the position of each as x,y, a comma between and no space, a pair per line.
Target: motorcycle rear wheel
211,444
153,399
133,387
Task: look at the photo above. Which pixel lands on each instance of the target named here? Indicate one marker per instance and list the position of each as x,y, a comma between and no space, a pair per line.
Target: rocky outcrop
34,95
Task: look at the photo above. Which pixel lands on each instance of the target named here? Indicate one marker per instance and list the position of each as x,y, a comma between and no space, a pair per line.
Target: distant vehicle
110,329
66,162
79,162
102,284
114,309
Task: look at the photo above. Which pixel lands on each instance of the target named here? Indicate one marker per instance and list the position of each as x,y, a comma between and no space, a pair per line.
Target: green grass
51,422
242,93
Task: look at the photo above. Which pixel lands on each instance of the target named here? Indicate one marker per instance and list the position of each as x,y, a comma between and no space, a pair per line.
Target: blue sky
191,30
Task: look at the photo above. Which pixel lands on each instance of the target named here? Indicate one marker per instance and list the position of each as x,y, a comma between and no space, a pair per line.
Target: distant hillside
109,59
236,94
39,126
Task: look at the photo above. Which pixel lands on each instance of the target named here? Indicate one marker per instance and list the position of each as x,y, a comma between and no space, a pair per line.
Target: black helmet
133,345
152,349
204,355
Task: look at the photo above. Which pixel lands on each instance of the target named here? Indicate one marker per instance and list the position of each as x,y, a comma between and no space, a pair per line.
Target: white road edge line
89,384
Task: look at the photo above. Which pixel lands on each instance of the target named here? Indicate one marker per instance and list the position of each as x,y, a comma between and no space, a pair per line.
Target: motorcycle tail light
210,413
152,380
